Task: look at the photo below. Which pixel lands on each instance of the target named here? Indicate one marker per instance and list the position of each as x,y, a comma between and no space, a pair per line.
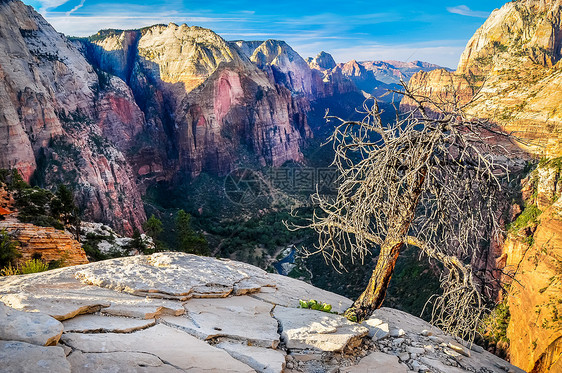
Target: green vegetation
40,206
188,240
315,305
8,249
33,266
494,330
529,216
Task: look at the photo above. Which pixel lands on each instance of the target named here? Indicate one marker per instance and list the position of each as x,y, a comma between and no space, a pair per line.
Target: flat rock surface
59,294
261,359
175,276
397,319
241,318
105,324
289,291
172,346
119,362
21,357
36,328
310,329
225,324
377,362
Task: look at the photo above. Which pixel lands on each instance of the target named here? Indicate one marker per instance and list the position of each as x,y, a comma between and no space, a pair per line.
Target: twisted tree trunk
373,296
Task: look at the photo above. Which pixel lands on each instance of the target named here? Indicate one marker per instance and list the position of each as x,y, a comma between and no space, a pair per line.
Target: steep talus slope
512,62
205,102
54,113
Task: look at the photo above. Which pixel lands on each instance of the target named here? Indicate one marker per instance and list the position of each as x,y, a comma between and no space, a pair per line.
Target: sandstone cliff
512,62
533,253
44,243
205,102
54,113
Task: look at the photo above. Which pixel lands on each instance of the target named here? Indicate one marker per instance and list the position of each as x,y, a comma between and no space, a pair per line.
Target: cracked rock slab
289,291
377,362
31,327
310,329
261,359
105,324
240,318
119,362
63,297
21,357
175,276
171,346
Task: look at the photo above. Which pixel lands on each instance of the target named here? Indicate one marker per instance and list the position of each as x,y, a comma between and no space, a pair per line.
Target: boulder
240,318
118,362
172,346
377,362
36,328
105,324
185,276
310,329
261,359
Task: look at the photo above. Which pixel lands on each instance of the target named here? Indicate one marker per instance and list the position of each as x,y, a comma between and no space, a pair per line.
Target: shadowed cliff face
55,112
512,61
205,102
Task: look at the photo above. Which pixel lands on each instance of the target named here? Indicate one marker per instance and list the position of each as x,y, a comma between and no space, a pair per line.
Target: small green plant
33,266
529,216
315,305
9,271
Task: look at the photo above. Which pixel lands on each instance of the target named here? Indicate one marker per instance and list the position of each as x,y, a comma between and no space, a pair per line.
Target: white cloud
463,10
76,8
50,4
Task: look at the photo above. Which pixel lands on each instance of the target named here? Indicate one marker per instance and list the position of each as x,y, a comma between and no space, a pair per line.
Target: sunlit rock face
511,66
58,119
204,100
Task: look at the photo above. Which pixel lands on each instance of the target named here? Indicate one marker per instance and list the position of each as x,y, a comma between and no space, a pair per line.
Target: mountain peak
323,61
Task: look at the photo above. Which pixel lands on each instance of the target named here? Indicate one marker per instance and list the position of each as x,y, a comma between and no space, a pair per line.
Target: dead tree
432,179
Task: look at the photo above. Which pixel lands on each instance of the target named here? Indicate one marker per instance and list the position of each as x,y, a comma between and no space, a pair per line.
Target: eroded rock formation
511,68
55,111
45,243
533,253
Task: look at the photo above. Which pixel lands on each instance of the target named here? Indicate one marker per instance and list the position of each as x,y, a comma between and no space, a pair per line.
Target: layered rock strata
510,70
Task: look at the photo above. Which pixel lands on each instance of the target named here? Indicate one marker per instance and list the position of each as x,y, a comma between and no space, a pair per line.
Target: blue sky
407,30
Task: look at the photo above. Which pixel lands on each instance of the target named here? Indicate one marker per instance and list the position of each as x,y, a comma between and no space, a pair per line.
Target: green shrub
9,270
528,216
33,266
315,305
8,249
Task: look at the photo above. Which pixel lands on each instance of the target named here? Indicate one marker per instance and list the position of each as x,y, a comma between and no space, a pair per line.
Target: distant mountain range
119,111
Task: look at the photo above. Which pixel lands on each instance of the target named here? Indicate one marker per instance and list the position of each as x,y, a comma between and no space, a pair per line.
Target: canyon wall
510,70
533,255
53,111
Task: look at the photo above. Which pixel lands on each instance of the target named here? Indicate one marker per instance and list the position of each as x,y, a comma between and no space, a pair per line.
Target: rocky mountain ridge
510,70
54,108
175,312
